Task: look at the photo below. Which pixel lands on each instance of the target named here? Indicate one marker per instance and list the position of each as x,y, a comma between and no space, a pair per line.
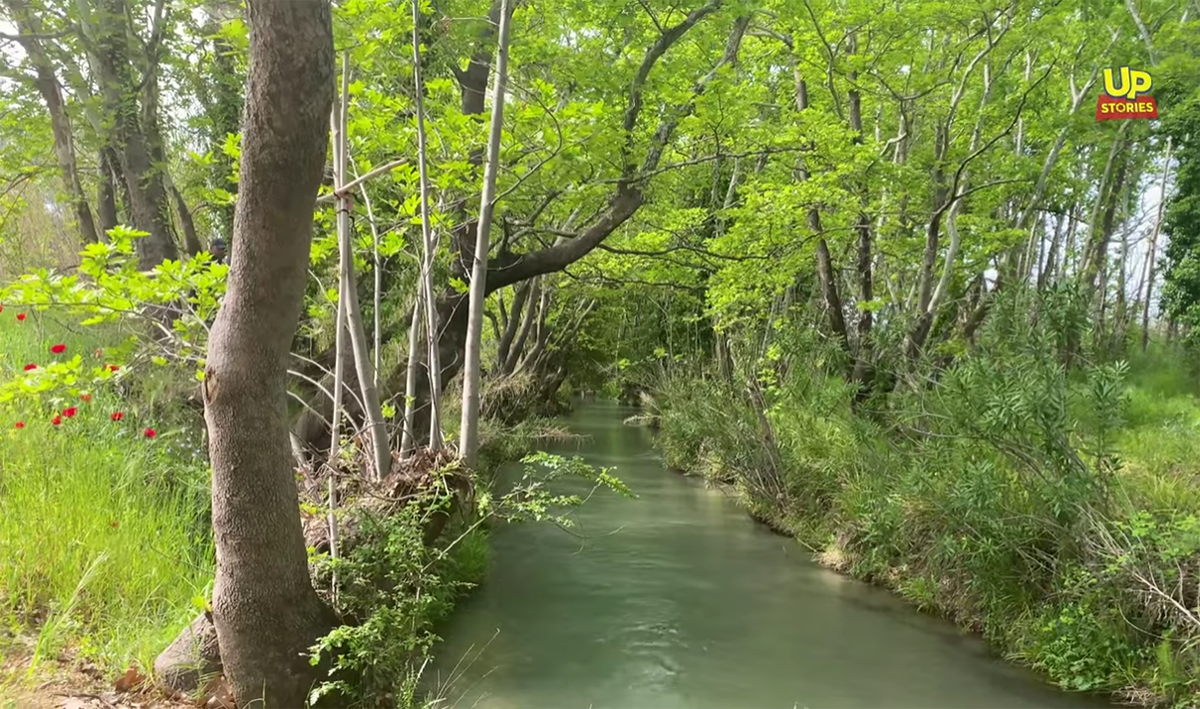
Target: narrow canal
676,600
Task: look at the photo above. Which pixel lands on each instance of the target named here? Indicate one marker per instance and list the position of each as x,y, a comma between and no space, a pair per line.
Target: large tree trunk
147,189
266,612
30,28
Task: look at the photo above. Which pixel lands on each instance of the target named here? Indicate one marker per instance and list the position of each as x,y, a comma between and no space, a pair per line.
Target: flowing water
677,600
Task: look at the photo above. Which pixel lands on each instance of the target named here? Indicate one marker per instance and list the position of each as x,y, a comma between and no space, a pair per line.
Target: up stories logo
1127,98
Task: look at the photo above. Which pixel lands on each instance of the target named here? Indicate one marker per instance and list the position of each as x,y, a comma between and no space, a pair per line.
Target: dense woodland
282,283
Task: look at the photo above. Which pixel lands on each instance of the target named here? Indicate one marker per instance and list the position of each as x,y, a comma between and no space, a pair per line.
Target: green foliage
1053,511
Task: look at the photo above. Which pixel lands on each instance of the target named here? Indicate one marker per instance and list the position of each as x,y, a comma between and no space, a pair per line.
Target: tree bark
1151,264
106,194
46,81
381,457
428,247
147,189
468,444
266,612
191,240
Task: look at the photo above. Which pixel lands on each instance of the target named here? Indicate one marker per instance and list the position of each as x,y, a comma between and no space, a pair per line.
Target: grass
105,550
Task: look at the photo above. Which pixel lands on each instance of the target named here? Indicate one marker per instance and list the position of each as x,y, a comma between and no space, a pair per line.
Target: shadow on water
678,600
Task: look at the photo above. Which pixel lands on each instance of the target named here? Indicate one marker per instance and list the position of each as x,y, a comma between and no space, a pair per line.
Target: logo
1125,95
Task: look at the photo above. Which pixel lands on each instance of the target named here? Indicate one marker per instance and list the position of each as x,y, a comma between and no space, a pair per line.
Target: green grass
104,539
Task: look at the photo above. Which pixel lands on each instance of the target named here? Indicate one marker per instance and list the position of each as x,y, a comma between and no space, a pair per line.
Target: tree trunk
1151,264
106,194
428,248
191,240
266,613
468,444
381,457
30,28
147,190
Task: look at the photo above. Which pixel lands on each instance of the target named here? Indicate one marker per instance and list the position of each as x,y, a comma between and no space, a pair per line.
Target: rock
191,656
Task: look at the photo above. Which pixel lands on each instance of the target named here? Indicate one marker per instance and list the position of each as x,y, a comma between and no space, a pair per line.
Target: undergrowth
1054,510
103,527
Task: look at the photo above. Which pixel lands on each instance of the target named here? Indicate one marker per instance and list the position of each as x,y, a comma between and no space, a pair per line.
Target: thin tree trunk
514,354
381,457
862,373
429,246
515,317
408,436
191,240
335,431
825,270
265,610
106,195
468,444
1151,263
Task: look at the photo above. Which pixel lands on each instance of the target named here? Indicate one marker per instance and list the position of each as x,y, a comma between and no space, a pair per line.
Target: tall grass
105,549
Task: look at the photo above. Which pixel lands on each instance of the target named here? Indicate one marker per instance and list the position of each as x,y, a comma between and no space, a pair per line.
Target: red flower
150,433
30,367
85,397
19,424
21,317
117,416
70,412
113,367
1,308
58,349
56,420
113,524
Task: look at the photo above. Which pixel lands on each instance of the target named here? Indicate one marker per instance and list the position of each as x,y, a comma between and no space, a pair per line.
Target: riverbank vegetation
876,264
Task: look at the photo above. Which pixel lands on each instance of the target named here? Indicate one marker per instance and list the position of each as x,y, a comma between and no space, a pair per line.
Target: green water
676,599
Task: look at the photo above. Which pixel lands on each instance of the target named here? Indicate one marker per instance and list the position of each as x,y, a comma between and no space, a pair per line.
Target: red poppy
113,524
113,367
117,416
30,367
58,349
21,317
85,397
56,420
1,308
19,424
70,412
150,433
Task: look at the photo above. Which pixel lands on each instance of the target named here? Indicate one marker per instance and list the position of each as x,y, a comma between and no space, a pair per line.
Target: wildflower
117,416
85,397
56,420
30,367
19,424
113,524
113,367
58,349
150,433
70,412
21,317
